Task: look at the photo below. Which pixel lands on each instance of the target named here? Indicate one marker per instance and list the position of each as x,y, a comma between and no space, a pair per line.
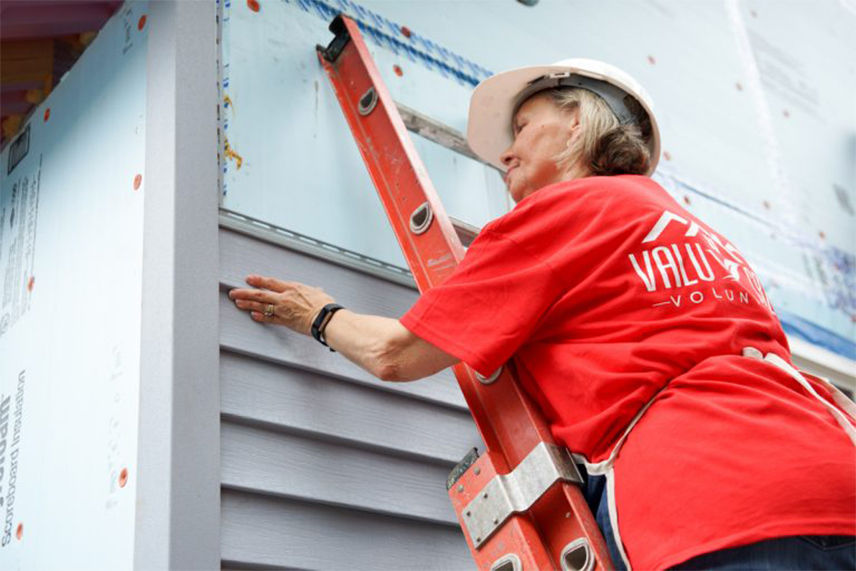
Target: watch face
320,323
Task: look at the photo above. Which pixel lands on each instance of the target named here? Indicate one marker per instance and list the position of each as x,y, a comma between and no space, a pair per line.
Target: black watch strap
321,321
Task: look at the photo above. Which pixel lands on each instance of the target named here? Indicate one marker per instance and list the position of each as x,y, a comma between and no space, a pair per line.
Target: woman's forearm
362,339
384,347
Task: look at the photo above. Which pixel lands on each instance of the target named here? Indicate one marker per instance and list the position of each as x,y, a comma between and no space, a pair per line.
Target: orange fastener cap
123,477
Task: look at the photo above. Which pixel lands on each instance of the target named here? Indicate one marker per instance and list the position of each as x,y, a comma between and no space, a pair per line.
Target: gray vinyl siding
322,465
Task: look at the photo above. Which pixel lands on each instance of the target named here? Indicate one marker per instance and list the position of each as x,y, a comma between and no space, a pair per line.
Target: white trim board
838,369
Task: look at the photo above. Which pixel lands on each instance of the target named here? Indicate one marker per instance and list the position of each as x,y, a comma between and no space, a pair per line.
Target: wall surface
317,453
754,99
322,466
71,256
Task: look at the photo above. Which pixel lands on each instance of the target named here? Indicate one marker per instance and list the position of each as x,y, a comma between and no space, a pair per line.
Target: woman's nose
506,157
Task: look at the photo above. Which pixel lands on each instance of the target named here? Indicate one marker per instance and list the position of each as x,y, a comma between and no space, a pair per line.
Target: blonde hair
605,146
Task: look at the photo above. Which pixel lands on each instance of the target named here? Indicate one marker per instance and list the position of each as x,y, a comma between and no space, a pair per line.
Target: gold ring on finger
269,311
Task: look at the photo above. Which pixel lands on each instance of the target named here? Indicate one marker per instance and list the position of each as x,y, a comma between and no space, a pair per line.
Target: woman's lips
508,172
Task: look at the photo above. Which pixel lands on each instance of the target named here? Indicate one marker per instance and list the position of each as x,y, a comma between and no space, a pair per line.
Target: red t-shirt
603,294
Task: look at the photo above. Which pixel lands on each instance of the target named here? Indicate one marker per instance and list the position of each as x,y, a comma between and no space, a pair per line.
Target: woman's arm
384,347
380,345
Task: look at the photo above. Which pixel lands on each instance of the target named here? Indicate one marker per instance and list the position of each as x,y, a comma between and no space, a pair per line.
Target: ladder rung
466,232
437,132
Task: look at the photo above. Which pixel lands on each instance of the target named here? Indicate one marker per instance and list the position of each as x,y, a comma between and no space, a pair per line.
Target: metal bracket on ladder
517,491
487,502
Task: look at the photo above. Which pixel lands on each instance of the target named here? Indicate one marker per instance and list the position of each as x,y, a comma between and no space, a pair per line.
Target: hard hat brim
494,102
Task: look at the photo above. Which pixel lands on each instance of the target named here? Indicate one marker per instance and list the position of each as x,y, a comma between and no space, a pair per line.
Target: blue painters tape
804,329
384,32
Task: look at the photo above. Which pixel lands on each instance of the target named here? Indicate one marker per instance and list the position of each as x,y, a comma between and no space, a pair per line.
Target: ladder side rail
378,142
508,421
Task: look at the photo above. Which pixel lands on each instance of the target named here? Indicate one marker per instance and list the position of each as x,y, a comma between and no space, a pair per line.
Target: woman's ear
574,166
575,120
575,126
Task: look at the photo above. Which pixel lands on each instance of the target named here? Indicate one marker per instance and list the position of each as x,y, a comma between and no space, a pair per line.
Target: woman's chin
518,194
515,192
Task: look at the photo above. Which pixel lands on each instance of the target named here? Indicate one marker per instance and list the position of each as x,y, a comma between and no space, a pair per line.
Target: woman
644,336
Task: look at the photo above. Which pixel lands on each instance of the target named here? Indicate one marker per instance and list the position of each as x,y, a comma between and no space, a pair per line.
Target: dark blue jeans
801,552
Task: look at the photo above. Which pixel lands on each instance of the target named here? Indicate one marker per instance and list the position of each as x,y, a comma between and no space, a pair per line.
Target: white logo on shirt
703,256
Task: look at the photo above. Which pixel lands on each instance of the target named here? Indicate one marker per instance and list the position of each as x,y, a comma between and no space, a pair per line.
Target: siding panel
291,534
241,255
322,465
291,465
297,400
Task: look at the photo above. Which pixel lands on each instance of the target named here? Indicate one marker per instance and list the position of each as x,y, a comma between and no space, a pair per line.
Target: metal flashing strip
307,245
517,491
318,248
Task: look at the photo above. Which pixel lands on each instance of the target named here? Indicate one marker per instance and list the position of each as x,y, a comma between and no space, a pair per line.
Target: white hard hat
496,99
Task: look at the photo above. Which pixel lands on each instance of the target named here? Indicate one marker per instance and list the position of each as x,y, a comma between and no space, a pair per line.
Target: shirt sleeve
489,306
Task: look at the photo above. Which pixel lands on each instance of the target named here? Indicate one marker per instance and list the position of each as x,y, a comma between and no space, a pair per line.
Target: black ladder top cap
341,37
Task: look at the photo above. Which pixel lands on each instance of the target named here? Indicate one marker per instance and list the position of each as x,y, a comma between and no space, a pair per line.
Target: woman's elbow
391,370
387,362
405,357
390,373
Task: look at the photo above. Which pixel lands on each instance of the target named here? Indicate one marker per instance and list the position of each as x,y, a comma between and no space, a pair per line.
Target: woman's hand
380,345
292,304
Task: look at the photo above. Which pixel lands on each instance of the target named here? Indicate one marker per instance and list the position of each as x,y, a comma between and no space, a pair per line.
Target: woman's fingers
258,295
272,284
257,303
252,305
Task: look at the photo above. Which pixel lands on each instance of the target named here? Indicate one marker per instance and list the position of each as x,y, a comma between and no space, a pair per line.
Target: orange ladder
519,504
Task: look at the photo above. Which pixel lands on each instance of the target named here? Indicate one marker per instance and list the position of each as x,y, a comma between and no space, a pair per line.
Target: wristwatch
321,321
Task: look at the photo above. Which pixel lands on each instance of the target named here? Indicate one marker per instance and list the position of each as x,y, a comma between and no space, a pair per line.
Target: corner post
178,504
